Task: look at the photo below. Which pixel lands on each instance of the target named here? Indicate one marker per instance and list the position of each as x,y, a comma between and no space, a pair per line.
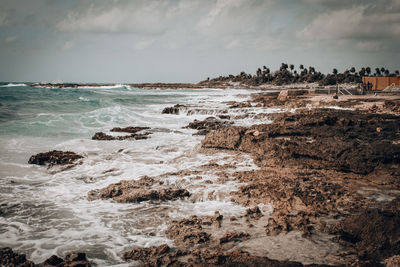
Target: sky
190,40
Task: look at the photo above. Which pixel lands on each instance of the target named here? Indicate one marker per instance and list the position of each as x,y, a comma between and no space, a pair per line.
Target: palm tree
291,67
397,72
368,70
377,72
362,72
301,66
382,70
353,70
335,71
387,72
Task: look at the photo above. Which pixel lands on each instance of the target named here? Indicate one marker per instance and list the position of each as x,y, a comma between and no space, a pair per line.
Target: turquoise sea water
46,211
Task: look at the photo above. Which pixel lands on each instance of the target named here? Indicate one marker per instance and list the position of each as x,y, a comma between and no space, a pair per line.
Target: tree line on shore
287,74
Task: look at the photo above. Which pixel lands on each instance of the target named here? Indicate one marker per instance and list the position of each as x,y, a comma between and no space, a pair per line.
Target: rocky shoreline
322,171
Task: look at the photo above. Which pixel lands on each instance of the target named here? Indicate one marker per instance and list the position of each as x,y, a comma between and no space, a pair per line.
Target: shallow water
45,211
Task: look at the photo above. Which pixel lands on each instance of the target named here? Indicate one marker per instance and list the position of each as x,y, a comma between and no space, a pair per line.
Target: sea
45,211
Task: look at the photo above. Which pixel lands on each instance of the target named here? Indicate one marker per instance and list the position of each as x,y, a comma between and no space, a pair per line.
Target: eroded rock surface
173,110
374,233
8,258
207,125
54,157
132,136
141,190
347,141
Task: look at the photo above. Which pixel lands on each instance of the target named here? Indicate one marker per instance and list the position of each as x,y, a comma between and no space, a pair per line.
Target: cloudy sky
189,40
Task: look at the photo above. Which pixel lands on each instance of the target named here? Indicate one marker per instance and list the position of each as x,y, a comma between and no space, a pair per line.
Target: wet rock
235,104
54,157
129,129
137,191
134,136
253,213
53,261
207,125
144,254
172,110
227,138
187,231
211,257
233,237
10,259
343,140
216,219
392,105
393,261
375,232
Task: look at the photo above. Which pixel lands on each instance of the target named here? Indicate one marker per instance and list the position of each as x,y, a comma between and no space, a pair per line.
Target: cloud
10,39
137,17
367,25
143,44
68,45
234,17
3,19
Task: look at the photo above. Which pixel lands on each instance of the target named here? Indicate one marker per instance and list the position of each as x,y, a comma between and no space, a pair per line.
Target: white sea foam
51,214
14,85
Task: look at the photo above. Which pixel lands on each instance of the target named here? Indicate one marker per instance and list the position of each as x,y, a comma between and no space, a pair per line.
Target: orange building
380,83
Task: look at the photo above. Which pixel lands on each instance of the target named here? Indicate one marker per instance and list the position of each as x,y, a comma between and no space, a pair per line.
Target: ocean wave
14,85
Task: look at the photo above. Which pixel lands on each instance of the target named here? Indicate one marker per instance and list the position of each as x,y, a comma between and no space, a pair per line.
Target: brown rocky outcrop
374,233
10,259
141,190
134,135
129,129
165,256
172,110
54,157
232,237
187,231
207,125
342,140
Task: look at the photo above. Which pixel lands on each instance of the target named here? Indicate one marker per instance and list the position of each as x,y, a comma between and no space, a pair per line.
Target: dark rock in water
207,125
129,129
103,136
76,259
53,261
54,157
10,259
138,191
172,110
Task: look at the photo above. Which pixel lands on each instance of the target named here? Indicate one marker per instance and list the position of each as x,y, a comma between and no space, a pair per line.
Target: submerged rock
54,157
